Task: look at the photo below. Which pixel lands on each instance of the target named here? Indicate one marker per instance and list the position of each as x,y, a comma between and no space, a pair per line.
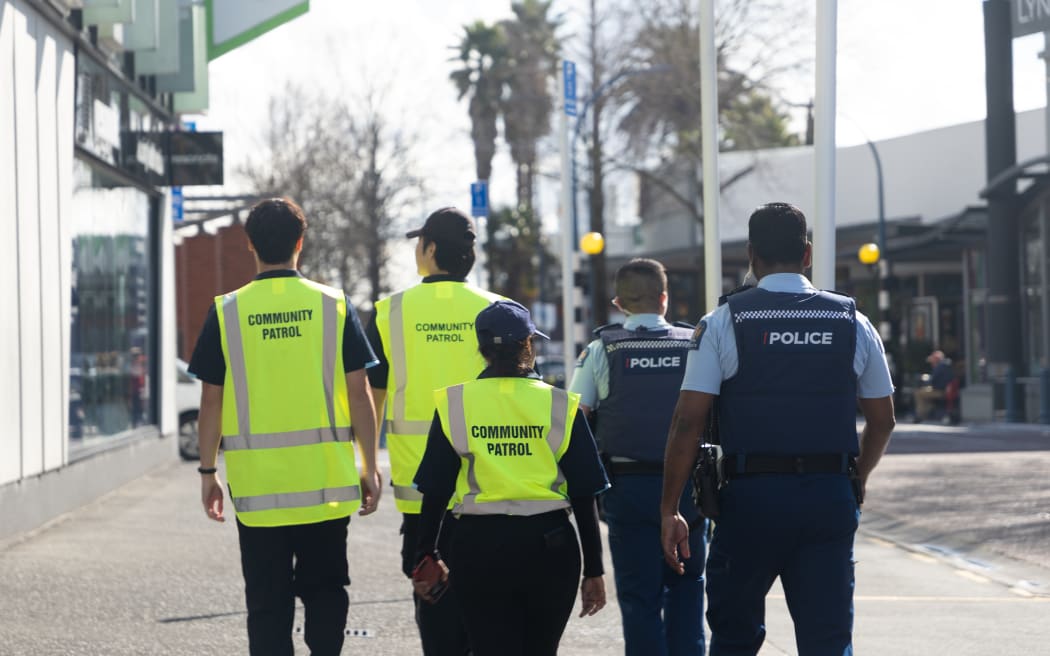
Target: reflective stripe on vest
399,361
245,439
297,499
458,434
405,493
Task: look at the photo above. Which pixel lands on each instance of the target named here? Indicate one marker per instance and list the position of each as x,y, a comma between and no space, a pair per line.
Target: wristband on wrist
207,470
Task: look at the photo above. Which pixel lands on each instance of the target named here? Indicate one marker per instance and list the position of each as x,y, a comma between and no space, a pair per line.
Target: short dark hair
456,258
777,233
274,226
640,282
509,359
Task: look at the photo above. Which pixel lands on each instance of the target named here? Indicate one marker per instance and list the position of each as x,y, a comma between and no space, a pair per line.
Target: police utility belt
713,472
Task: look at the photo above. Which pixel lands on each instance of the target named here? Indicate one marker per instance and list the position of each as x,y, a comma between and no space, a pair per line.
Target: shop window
111,336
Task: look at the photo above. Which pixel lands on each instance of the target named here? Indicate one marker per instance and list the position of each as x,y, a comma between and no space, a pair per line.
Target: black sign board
145,155
195,158
1029,16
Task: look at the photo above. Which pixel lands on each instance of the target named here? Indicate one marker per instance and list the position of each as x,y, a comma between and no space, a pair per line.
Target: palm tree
483,55
532,61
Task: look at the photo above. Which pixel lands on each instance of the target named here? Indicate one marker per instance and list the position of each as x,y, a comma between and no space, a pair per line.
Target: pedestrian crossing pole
569,293
709,134
824,144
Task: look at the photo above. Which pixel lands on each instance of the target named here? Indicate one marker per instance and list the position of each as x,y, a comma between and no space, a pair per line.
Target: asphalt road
953,557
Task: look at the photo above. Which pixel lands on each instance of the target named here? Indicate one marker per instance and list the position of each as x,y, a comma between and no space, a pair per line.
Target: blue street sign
479,198
569,73
176,203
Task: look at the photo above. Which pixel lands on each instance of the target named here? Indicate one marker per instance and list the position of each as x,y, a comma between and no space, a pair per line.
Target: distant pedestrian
282,361
628,380
786,365
514,454
424,338
934,391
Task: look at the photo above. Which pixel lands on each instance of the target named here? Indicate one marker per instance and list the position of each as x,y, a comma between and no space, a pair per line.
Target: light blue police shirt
591,379
715,359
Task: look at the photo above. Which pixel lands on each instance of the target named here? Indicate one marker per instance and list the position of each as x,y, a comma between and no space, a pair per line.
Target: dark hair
510,359
777,232
274,226
640,282
457,259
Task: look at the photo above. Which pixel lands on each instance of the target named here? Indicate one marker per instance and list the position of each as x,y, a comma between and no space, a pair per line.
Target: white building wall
36,121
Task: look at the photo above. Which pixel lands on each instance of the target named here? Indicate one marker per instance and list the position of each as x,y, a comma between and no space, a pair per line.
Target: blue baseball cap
505,322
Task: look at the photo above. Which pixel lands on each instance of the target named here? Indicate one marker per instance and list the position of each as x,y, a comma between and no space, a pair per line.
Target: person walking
424,338
788,364
282,361
628,381
515,454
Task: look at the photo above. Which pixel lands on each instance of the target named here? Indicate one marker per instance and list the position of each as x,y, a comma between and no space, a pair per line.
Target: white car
187,401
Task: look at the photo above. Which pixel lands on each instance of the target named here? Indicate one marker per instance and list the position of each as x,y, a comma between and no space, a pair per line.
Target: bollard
1044,396
1010,396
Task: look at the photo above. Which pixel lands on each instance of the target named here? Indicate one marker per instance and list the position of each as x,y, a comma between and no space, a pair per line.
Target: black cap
505,322
447,225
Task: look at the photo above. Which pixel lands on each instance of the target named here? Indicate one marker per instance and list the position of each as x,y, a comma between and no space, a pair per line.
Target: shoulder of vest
724,298
608,326
837,293
684,324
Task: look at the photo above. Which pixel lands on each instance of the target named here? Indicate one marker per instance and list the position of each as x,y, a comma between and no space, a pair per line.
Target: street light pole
884,264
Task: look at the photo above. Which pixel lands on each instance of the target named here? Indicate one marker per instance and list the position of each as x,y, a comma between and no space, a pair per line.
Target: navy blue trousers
662,612
797,527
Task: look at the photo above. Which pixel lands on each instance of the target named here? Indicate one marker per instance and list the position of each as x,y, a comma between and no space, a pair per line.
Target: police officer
516,455
283,361
631,376
788,363
425,340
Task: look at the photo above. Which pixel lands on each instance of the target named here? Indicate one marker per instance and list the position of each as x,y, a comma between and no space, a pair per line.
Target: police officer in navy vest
783,365
628,380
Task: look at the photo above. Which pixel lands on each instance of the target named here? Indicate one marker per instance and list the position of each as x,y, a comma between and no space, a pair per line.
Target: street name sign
1029,16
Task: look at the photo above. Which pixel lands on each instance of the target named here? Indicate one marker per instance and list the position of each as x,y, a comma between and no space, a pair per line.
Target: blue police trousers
662,612
797,527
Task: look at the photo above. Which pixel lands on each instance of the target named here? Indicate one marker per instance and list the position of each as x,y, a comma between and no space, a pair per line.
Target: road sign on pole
176,204
568,70
479,198
1029,16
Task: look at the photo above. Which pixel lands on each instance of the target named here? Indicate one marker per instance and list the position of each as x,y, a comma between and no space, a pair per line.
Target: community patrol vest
285,414
429,340
645,375
795,390
510,434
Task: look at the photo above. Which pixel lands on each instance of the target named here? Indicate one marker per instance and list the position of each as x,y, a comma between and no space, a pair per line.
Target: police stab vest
645,375
429,340
795,390
285,413
510,434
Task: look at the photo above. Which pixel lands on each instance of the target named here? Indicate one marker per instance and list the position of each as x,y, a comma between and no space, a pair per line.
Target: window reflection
110,342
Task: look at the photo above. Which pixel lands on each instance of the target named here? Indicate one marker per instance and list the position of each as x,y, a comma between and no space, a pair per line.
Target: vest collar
645,320
444,277
488,373
279,273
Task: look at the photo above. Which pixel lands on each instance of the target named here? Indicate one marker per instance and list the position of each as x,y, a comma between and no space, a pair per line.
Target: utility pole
599,293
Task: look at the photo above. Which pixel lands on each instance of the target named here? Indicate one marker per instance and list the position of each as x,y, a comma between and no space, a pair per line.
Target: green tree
482,55
514,248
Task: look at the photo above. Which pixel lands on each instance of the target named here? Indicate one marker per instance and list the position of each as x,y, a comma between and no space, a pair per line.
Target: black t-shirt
209,365
379,374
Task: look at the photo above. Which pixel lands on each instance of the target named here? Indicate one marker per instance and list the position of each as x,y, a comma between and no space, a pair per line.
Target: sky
904,66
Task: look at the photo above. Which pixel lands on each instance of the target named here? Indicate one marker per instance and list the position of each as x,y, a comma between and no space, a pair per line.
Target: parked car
187,400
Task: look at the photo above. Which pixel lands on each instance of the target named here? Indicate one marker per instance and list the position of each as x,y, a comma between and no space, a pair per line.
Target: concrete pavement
142,571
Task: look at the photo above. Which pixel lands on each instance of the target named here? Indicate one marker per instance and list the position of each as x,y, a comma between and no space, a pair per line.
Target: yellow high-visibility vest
285,414
510,434
429,340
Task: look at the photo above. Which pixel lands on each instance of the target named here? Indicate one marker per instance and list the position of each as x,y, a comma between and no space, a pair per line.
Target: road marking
923,558
966,574
939,599
882,543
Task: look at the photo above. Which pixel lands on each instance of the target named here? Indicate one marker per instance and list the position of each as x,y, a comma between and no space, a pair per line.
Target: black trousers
515,579
281,563
441,628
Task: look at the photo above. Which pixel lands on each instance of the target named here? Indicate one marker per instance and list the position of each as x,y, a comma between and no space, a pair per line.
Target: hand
212,496
423,587
371,488
674,536
592,595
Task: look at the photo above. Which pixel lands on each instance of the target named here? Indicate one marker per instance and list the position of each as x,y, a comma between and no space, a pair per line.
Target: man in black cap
425,340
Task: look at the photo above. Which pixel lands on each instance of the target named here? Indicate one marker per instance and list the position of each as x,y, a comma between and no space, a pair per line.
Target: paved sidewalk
143,572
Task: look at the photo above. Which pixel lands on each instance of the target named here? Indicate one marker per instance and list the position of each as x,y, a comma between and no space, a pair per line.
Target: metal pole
824,140
568,302
884,263
709,134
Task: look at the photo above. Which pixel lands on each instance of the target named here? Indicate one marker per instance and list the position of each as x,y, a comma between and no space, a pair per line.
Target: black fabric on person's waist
813,463
633,467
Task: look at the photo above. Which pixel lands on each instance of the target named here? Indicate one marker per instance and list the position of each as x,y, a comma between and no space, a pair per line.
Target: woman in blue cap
516,455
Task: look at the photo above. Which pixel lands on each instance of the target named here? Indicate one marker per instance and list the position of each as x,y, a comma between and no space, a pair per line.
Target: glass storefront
111,341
